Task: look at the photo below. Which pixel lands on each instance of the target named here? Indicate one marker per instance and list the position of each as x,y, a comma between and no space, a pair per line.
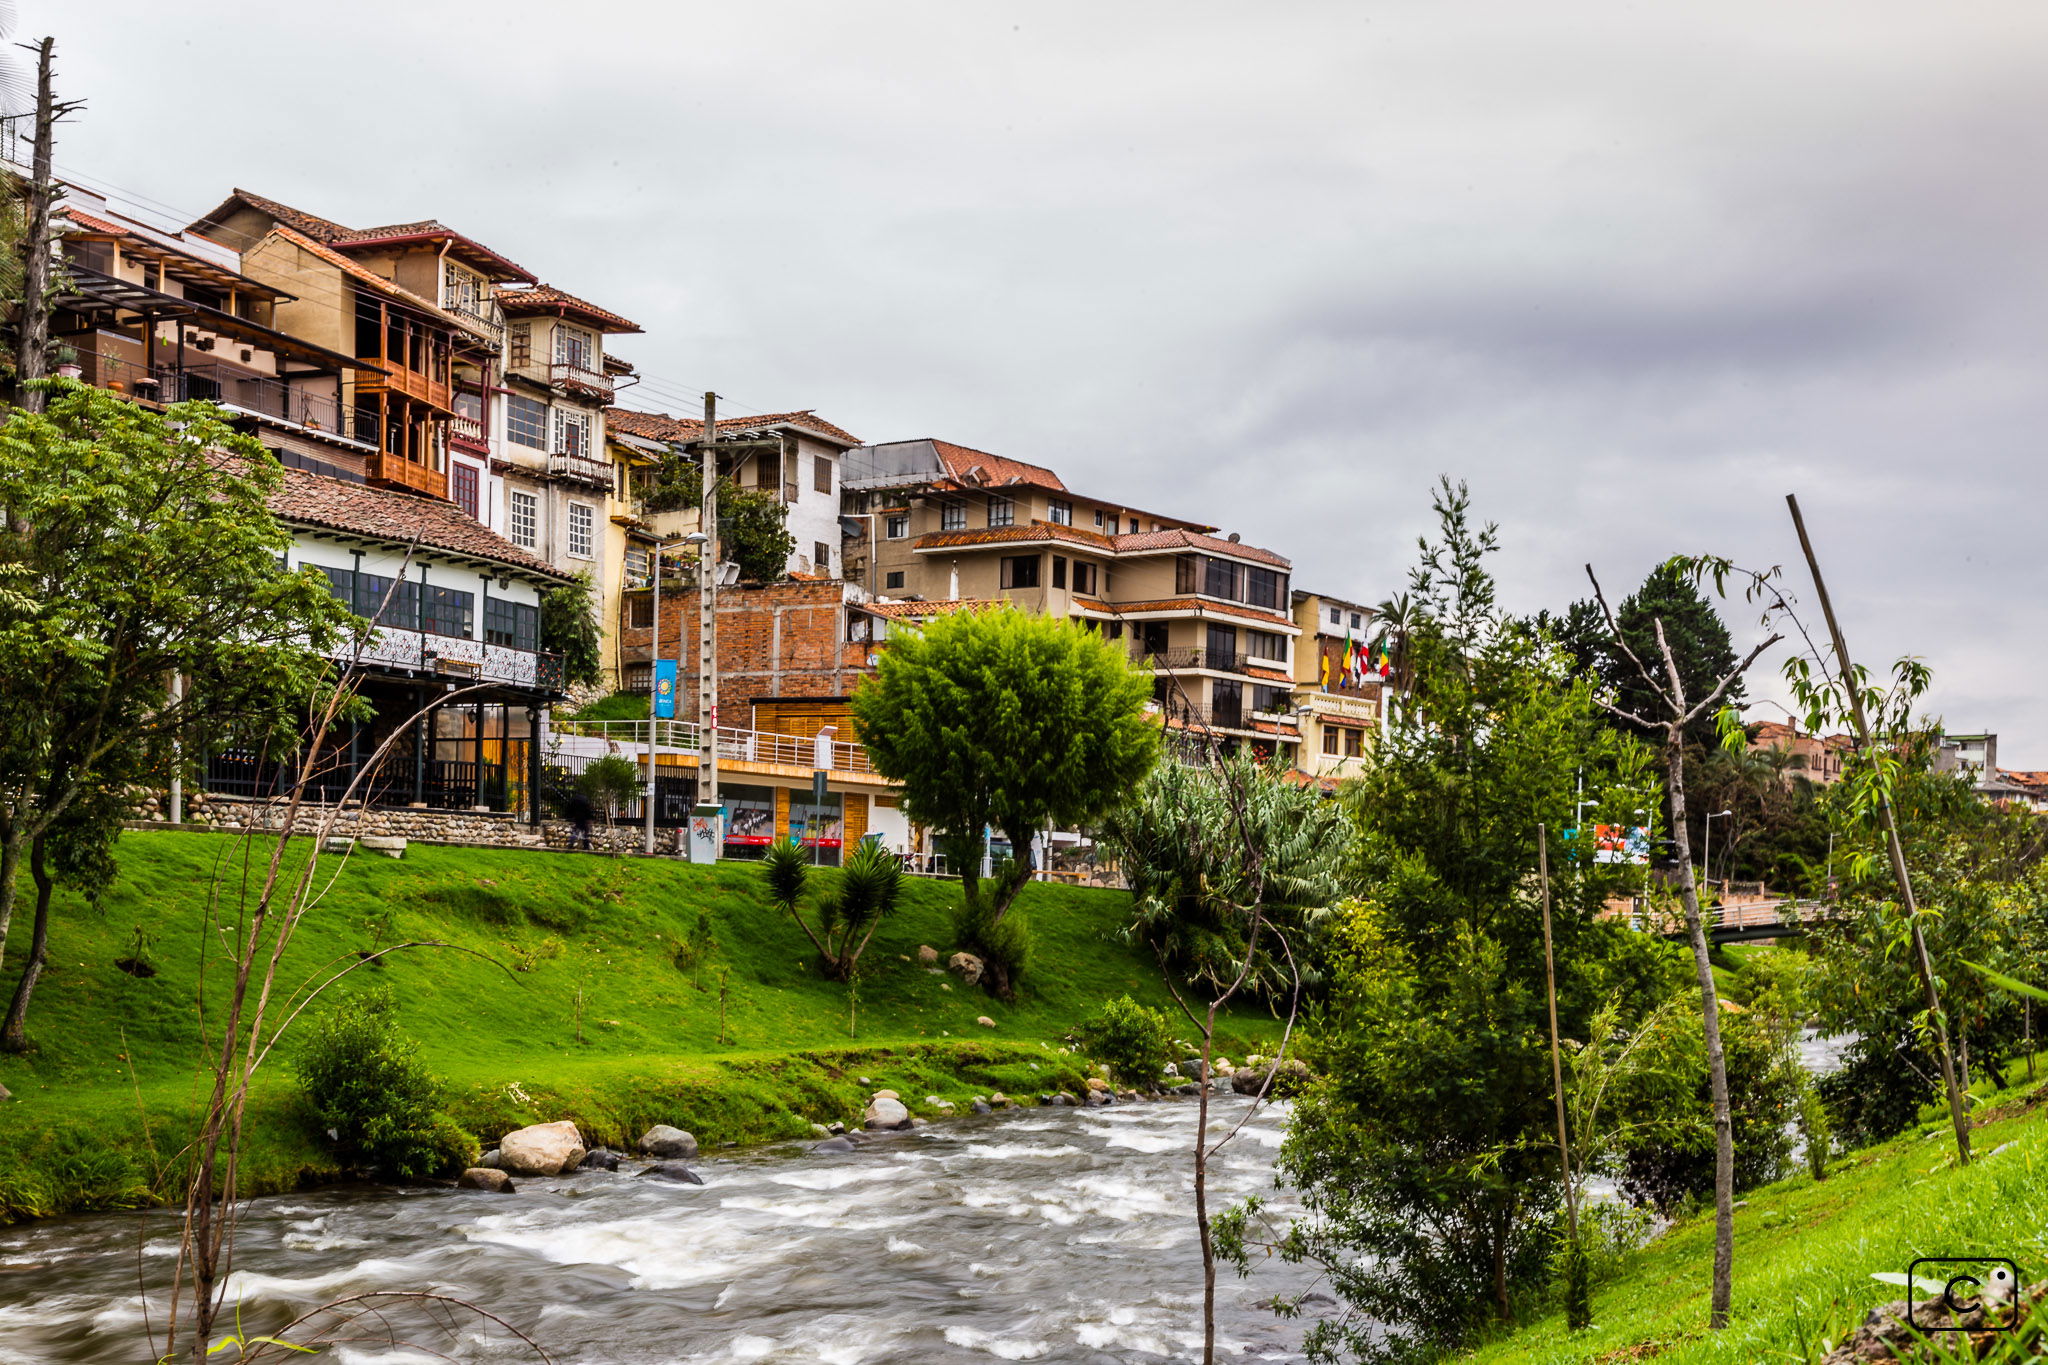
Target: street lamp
1707,856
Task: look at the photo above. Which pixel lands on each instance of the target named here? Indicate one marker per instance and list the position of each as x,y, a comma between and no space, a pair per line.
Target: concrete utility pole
32,360
653,697
707,618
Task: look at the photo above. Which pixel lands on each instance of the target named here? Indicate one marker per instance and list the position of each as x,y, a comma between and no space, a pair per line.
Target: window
1262,588
821,473
767,470
1330,739
1273,699
342,583
1084,578
377,599
525,520
462,483
893,580
953,517
1220,578
640,611
464,290
522,343
1098,520
1059,513
896,528
637,567
572,434
1134,526
1226,702
582,530
515,625
1222,647
1354,743
1020,571
821,556
447,611
574,346
1264,644
1059,571
526,422
1357,621
1002,512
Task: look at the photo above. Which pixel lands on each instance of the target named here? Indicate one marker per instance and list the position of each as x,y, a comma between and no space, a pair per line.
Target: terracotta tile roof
1009,535
939,607
361,273
1327,785
1184,604
1189,540
465,248
379,514
319,229
1267,727
659,426
979,469
1268,675
2024,779
1770,730
92,224
545,298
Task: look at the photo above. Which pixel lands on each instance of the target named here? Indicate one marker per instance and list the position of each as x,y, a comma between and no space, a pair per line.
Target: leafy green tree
1581,633
609,783
1130,1039
77,850
1699,644
568,626
1426,1152
137,548
366,1086
753,524
1008,720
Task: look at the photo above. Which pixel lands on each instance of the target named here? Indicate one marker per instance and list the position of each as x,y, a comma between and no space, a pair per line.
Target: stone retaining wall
487,828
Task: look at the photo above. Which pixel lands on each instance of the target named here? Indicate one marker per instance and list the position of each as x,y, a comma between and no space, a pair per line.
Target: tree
1672,706
1426,1151
1700,649
869,886
77,850
1580,632
139,548
753,524
1008,720
568,626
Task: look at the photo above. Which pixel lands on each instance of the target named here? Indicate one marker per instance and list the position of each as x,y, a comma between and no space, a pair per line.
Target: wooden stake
1957,1116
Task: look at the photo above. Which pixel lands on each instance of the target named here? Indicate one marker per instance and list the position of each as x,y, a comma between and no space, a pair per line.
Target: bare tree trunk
1710,1020
10,877
1202,1195
14,1033
32,360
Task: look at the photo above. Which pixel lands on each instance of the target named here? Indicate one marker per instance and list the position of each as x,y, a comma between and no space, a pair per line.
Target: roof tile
337,504
545,298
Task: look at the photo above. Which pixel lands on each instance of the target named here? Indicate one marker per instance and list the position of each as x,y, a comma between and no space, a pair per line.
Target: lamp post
1707,849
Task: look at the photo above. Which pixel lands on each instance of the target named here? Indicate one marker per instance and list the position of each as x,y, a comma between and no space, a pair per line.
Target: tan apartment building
1337,698
1812,757
941,524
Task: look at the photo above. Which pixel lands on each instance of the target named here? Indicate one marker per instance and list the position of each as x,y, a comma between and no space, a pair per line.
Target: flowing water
1041,1234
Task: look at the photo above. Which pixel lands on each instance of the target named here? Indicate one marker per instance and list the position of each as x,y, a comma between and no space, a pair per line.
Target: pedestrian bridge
1743,921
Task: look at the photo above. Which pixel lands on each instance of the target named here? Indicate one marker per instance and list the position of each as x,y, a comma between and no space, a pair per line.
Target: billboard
1621,844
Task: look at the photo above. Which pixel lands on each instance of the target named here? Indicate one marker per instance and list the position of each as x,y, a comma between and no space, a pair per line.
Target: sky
1633,272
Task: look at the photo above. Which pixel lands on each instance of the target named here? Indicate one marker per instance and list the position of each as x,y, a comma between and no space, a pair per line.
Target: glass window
896,528
637,567
1059,571
1060,513
1262,588
448,611
522,343
342,583
821,473
526,421
1084,577
818,828
953,517
1098,520
1134,526
1220,578
463,482
640,610
1222,647
1002,512
1265,644
1020,571
574,346
525,520
1354,743
514,625
1357,621
749,819
378,600
572,434
582,530
893,579
821,556
1273,699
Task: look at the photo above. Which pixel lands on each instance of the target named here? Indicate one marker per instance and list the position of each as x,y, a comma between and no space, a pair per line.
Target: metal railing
1217,660
678,737
474,660
214,382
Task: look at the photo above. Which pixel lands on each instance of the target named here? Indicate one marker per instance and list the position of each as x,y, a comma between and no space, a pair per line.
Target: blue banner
664,689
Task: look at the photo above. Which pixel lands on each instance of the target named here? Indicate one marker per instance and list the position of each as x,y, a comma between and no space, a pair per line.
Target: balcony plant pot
71,371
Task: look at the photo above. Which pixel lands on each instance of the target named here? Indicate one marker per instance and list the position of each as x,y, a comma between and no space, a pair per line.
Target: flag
1326,671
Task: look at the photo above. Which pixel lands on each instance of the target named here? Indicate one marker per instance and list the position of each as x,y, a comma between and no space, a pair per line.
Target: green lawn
104,1101
1805,1252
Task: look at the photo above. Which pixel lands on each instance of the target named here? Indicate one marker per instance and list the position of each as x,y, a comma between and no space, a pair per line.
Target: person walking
577,808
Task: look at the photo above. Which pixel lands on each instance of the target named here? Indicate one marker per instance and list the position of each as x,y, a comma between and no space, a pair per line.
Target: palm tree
1392,621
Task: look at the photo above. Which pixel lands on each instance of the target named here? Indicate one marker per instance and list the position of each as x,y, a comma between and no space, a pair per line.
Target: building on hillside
1812,758
377,294
932,524
2029,789
1337,691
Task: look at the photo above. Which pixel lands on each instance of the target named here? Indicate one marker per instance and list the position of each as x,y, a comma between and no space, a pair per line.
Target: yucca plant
868,889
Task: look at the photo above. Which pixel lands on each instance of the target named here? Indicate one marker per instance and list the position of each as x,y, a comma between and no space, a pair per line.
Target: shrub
374,1098
1130,1038
1003,945
609,783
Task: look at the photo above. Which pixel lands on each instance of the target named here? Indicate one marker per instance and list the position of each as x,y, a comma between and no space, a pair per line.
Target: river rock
674,1172
5,1094
490,1160
1220,1084
832,1146
935,1102
1287,1078
1067,1101
543,1149
1000,1100
1097,1083
887,1095
835,1128
885,1112
982,1106
819,1130
666,1143
967,965
601,1159
486,1179
1884,1334
985,1021
1192,1068
927,954
1190,1089
1170,1069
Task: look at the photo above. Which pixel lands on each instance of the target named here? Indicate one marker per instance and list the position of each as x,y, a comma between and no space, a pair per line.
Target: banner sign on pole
664,689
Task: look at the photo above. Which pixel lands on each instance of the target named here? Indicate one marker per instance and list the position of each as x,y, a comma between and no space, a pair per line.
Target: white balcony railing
685,737
473,660
584,468
566,374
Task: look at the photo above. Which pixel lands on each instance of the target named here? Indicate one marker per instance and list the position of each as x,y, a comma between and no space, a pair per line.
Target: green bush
1130,1038
609,783
373,1097
1003,945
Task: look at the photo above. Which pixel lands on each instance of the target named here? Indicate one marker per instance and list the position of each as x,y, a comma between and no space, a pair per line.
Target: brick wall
774,640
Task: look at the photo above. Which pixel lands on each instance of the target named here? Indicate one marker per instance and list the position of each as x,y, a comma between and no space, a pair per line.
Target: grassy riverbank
1805,1252
558,994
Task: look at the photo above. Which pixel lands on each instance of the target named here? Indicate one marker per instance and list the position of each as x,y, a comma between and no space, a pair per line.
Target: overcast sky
1633,271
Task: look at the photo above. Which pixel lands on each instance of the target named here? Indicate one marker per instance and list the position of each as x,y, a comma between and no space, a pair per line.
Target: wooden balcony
418,387
393,471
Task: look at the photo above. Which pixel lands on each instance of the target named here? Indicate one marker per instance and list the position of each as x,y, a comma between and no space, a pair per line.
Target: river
1040,1234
